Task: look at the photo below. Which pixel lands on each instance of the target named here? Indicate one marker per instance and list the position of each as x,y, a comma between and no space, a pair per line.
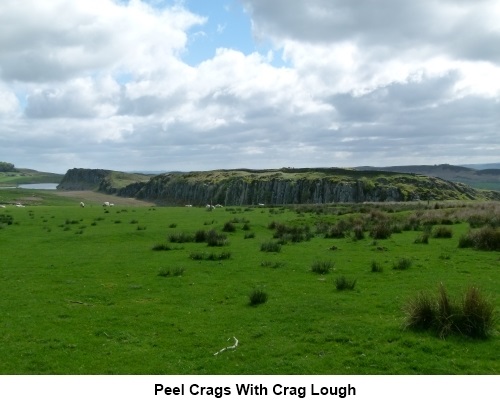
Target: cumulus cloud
102,83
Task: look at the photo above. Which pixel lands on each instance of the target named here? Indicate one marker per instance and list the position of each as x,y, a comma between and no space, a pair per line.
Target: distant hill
27,176
273,187
483,166
486,179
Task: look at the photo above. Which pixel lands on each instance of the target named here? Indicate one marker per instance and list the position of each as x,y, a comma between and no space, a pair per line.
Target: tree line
7,167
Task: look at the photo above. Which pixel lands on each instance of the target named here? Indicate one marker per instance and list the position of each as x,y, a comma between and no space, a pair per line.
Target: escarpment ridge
273,186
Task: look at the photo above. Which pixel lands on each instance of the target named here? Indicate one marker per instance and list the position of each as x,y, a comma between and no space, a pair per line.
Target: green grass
97,299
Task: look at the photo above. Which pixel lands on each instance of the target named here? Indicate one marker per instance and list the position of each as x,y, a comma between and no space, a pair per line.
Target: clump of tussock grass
402,263
174,272
172,225
358,232
322,266
270,246
214,238
343,283
338,230
229,227
249,235
257,297
141,228
210,256
376,267
272,265
161,246
423,238
442,232
472,315
290,233
381,230
180,237
134,221
486,238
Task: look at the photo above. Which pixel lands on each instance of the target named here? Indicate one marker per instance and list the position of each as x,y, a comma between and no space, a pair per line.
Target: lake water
40,186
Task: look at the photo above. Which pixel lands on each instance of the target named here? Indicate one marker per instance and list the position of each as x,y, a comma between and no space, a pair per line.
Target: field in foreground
129,290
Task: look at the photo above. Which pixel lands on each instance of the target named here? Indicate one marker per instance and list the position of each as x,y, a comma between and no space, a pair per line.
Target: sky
191,85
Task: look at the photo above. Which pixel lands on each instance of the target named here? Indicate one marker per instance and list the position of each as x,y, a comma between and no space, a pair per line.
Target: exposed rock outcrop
83,179
277,187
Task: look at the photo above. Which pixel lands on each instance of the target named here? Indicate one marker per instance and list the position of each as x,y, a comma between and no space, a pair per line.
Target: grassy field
129,290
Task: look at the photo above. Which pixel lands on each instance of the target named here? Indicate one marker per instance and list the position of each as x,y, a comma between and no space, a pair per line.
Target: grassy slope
81,295
28,176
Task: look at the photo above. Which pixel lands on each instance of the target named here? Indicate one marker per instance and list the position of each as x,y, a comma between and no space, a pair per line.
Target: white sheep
82,204
106,204
2,206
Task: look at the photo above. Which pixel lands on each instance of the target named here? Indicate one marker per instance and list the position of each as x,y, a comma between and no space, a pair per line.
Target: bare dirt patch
94,198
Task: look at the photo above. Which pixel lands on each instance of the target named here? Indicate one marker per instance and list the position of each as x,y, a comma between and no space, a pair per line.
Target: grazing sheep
2,206
188,205
82,204
218,206
106,204
19,205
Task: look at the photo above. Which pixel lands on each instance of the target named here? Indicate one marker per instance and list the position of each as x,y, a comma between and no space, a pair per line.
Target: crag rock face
276,187
83,179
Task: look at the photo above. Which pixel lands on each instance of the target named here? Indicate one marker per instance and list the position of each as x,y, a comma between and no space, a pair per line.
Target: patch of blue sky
228,25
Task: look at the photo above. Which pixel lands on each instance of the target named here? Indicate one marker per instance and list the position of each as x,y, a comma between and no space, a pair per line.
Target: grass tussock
376,267
174,272
213,256
343,283
270,246
402,263
472,315
486,238
258,297
322,266
442,232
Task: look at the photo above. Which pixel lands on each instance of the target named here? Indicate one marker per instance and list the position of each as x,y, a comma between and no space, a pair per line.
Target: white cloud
100,83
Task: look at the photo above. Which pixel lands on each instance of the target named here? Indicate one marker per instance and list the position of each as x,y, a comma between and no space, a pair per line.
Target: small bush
442,232
402,264
322,267
342,283
270,246
258,297
377,267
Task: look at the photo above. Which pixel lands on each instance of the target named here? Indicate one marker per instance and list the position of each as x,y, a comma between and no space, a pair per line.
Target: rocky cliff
104,181
276,187
299,186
